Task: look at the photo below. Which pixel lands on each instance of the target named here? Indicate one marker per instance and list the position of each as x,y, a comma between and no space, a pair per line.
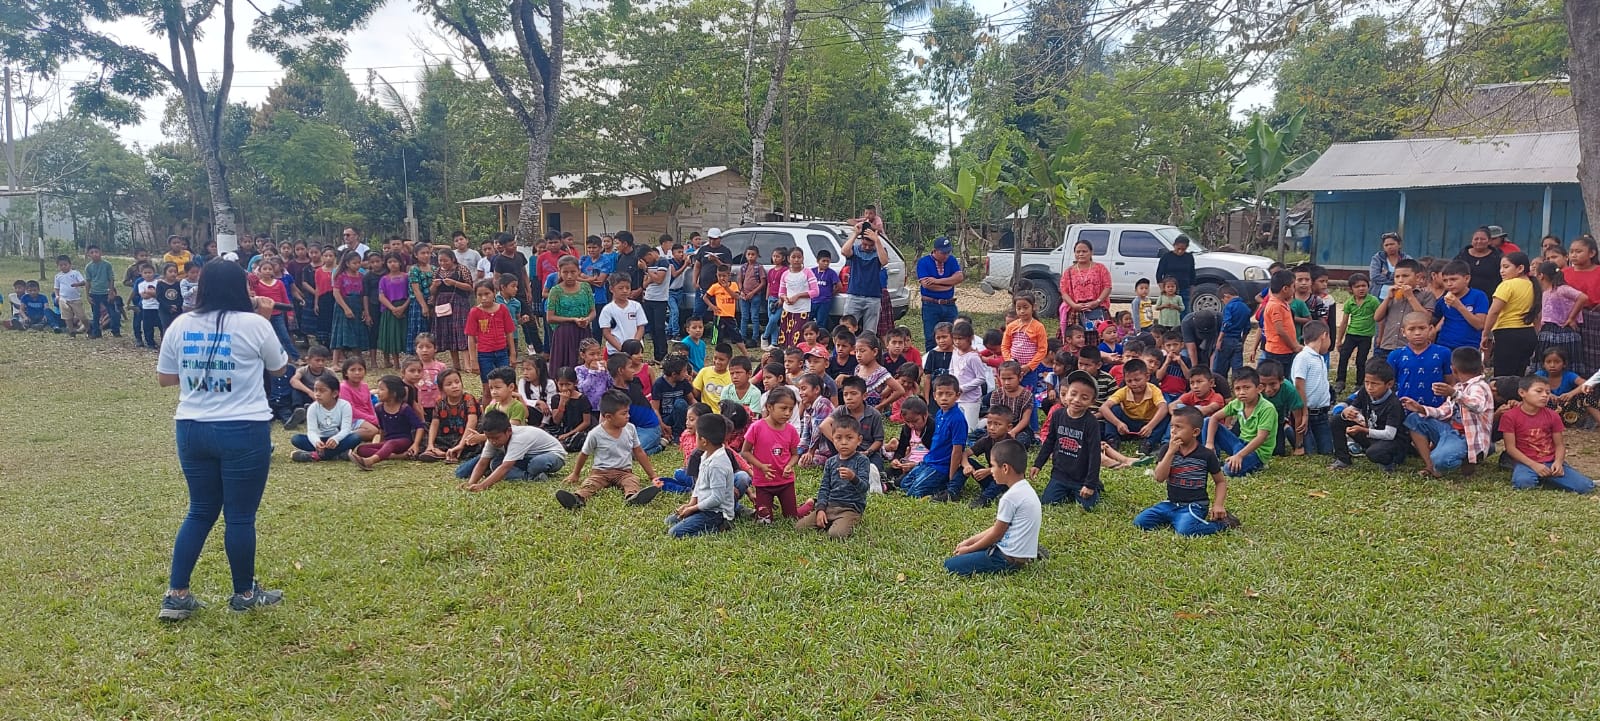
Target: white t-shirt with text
220,374
622,321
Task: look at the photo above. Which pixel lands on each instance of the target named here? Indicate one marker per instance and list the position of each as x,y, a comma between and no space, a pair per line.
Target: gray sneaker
258,598
296,419
302,457
178,608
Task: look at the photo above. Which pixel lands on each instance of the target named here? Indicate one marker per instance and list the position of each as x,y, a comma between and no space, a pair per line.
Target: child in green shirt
1357,328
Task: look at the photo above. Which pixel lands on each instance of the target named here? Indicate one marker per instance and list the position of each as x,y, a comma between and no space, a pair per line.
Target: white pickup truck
1130,252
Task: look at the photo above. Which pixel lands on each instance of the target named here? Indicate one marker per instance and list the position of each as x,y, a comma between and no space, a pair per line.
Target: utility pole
405,182
11,155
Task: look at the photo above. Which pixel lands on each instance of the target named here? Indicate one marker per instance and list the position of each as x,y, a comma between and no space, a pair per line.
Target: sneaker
569,500
978,501
302,456
258,598
940,497
178,608
743,511
644,496
296,419
1230,520
1338,465
1356,449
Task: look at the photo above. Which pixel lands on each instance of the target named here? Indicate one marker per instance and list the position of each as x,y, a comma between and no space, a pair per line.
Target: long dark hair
1536,308
222,288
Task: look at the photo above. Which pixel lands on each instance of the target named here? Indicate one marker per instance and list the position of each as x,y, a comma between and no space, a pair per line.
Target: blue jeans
1449,448
1229,444
1523,478
696,524
347,444
529,467
225,464
988,560
488,361
679,305
1060,491
676,415
750,318
102,316
926,480
774,317
1186,519
1110,434
821,313
280,326
932,315
1229,357
649,439
1319,434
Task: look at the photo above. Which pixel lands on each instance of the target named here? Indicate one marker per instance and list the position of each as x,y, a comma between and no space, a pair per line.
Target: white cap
714,233
231,257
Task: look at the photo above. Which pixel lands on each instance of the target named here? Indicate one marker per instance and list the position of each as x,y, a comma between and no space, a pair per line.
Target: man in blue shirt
938,273
863,294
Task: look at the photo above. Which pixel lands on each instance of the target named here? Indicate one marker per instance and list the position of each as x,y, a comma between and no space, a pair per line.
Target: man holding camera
863,294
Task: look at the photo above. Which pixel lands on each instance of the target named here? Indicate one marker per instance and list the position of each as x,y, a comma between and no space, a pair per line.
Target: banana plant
974,184
1045,182
1264,156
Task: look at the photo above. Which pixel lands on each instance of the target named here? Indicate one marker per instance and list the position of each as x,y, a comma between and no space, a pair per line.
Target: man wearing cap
938,273
706,261
1498,235
863,293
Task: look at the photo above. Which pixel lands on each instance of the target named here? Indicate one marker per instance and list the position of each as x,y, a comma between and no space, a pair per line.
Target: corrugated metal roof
1524,159
568,187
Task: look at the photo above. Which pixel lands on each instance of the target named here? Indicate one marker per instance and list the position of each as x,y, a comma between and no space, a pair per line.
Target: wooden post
463,218
1400,223
502,208
627,212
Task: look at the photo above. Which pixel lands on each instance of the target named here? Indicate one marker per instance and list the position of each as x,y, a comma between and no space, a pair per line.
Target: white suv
810,238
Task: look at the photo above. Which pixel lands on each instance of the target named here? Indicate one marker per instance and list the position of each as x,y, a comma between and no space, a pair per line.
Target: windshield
1171,235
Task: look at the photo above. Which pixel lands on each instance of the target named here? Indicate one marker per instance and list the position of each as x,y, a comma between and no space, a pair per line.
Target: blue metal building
1436,191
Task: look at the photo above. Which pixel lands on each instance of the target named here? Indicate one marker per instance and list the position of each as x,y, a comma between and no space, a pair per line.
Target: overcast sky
391,43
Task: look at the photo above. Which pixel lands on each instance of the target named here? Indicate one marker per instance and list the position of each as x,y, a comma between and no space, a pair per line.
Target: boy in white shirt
1310,373
1013,541
622,319
69,287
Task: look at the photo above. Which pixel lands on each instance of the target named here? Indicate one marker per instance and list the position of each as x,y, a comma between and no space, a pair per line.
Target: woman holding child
217,355
1085,289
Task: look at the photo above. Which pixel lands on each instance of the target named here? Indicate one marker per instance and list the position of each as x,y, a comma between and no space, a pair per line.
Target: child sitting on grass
815,408
330,429
911,447
713,379
502,391
399,423
1072,444
711,506
355,392
854,392
1458,432
1136,411
1258,421
455,416
1374,419
570,419
614,446
842,495
740,391
1184,468
1535,439
996,424
1013,541
512,453
939,474
1286,401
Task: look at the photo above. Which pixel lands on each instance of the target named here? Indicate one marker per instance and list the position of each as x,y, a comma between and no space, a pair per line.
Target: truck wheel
1206,296
1046,298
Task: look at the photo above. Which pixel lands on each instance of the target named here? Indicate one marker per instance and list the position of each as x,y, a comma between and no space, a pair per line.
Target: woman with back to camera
218,355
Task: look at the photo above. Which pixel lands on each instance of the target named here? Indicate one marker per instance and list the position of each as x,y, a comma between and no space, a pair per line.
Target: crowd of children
1166,382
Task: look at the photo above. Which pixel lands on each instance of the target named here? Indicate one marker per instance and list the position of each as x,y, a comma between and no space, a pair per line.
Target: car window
1099,239
819,242
1139,244
764,241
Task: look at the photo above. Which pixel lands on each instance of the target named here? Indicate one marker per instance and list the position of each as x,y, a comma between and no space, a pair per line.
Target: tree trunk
758,129
1583,23
531,212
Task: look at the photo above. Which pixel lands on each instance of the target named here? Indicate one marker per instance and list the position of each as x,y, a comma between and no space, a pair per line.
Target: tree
974,183
534,97
45,33
100,178
1360,81
302,158
1583,21
759,120
1265,156
952,44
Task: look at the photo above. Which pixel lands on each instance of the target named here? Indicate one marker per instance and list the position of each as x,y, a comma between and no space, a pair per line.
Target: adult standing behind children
1381,270
1085,289
938,273
1178,263
865,263
707,260
1483,259
217,356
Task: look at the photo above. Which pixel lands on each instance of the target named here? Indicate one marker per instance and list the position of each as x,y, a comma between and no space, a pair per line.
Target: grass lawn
1360,595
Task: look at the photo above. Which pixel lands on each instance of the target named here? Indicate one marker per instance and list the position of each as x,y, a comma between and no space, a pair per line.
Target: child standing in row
1355,331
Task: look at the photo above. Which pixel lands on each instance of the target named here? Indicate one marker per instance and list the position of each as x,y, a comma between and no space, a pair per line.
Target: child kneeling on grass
1458,431
1535,439
1072,443
1184,468
330,428
842,497
614,445
711,506
511,453
1374,419
1013,541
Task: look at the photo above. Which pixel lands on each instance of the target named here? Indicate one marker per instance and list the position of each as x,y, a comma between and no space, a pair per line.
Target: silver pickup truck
1130,252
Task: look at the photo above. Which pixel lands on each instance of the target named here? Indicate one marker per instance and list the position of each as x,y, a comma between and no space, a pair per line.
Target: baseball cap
714,233
941,243
1496,231
231,257
817,351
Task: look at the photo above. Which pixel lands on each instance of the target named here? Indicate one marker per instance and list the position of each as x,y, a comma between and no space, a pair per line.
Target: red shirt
1190,399
1587,281
490,328
1174,383
1536,434
277,291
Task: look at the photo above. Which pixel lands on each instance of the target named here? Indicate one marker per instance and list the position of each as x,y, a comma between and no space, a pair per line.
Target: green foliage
1511,41
104,184
1359,81
302,159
